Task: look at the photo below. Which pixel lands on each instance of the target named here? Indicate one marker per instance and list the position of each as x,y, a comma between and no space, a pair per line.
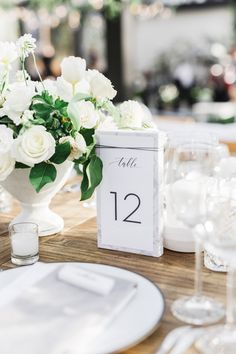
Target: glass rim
209,144
11,227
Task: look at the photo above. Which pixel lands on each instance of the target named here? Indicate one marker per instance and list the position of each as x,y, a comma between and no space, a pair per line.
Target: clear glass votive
24,238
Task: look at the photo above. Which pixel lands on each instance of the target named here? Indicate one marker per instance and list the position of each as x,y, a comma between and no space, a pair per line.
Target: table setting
89,264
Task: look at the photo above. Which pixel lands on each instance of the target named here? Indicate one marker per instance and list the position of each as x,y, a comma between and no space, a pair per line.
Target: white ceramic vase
35,206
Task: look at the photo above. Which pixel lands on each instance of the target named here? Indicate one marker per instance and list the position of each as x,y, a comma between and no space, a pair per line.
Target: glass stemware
226,172
192,173
221,241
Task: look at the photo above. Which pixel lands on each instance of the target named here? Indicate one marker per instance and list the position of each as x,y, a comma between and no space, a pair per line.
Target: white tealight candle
24,244
188,196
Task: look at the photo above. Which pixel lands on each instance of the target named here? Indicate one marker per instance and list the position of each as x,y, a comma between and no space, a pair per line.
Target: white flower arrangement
45,123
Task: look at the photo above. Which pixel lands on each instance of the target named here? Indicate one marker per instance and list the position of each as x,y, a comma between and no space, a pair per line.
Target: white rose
7,165
18,99
73,69
77,144
6,139
33,146
132,115
100,86
106,123
66,91
83,114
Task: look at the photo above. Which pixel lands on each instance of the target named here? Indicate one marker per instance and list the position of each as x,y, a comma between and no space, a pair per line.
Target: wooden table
173,272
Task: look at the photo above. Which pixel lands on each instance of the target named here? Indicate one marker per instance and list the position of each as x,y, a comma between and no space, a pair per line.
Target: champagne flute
192,174
221,241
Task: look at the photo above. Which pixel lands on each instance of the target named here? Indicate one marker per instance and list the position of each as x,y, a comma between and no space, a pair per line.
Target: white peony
100,86
132,115
8,54
78,145
18,99
7,165
33,146
83,114
106,123
73,69
6,139
66,91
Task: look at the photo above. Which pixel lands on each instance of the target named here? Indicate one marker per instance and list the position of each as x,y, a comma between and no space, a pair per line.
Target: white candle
188,198
24,244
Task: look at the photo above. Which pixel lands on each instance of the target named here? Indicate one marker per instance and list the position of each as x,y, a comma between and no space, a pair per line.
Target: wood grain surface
173,272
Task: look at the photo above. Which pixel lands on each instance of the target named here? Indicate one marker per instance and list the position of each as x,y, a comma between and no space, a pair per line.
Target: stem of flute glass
198,267
221,339
198,309
230,317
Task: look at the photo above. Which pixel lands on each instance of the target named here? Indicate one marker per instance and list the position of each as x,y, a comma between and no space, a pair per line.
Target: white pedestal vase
35,206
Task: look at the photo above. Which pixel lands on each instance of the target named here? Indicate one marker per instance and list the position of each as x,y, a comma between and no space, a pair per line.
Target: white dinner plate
137,320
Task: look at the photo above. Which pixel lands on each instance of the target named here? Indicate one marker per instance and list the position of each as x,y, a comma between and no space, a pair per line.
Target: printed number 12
127,219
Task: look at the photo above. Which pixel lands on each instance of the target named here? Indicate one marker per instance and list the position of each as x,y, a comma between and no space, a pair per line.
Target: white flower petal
6,138
100,86
33,146
7,165
73,69
132,115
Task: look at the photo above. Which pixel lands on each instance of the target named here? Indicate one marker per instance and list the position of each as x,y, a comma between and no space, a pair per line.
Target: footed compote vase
35,206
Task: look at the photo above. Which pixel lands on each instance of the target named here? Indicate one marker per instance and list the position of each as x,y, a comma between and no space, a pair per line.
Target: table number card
129,199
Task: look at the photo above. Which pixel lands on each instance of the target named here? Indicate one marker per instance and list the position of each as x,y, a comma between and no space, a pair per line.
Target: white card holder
130,197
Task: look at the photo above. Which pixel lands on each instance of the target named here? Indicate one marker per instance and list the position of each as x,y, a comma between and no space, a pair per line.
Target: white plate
137,321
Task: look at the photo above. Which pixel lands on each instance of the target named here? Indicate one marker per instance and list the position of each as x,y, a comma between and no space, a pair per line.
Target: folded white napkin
42,313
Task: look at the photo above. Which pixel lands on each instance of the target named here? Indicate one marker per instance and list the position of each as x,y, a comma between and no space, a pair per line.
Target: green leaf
38,98
61,153
59,104
77,167
38,121
5,120
21,165
92,177
42,174
47,98
84,183
42,108
88,135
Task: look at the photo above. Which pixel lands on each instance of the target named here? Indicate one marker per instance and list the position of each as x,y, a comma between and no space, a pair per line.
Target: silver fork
186,341
171,339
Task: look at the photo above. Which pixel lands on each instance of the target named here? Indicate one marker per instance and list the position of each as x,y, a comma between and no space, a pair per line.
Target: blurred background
176,56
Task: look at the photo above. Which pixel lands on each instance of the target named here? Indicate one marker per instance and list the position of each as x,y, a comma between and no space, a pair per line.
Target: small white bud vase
35,206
